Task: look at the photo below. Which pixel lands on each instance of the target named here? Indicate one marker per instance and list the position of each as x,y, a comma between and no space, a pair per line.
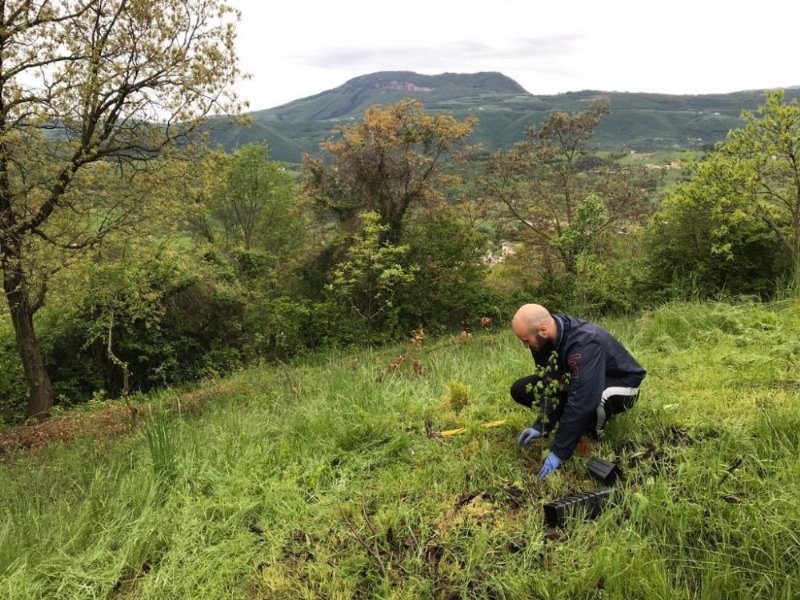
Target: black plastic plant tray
586,505
603,470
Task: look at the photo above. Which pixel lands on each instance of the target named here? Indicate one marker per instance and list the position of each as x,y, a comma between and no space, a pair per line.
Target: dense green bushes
186,312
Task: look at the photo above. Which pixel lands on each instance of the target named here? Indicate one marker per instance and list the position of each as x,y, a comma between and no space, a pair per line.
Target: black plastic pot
605,471
586,505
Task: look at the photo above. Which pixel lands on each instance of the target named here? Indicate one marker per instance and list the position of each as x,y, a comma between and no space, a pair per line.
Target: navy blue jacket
589,354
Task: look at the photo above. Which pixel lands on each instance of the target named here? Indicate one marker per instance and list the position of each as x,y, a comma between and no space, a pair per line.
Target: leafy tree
734,226
704,240
254,201
448,289
88,86
761,163
389,163
561,194
371,274
255,204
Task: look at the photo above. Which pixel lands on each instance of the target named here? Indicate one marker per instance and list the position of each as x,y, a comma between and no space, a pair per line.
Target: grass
328,480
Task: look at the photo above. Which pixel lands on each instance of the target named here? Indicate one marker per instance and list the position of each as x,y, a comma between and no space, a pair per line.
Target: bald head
533,325
529,317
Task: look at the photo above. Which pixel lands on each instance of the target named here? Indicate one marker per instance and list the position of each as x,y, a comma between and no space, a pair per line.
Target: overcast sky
296,48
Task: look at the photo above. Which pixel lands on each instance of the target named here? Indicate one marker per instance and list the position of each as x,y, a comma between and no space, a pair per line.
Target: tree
704,239
562,194
255,203
371,274
761,162
88,86
389,163
735,225
448,252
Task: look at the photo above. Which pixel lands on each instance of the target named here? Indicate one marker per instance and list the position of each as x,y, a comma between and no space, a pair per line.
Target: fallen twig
373,550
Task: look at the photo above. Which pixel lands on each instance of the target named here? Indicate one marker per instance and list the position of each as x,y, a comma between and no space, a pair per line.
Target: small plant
458,395
551,382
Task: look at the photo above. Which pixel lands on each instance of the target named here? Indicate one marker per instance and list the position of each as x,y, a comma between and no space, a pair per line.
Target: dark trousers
617,397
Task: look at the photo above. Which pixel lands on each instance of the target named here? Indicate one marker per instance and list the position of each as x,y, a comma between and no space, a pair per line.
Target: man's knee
522,390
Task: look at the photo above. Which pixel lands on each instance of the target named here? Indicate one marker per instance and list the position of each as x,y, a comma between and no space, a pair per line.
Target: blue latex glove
528,435
551,463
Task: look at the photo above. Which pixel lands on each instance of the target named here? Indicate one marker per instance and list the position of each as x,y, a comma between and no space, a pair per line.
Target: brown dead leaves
104,423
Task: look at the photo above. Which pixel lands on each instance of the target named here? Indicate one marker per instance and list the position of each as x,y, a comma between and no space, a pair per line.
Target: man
584,376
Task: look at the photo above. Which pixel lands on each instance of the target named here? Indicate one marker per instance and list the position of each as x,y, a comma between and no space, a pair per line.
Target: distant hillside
388,87
638,121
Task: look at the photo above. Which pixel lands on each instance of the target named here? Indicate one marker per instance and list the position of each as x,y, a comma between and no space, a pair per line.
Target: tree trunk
40,389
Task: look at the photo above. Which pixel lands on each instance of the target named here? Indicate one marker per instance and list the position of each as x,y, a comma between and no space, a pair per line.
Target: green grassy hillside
639,121
329,480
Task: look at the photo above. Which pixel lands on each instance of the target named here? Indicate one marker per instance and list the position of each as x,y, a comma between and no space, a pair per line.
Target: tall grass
329,480
162,443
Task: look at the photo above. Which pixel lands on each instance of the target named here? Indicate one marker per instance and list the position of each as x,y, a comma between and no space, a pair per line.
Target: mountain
388,87
505,110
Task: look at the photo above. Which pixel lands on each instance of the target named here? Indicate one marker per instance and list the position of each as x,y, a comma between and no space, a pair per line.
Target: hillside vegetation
329,479
643,122
135,261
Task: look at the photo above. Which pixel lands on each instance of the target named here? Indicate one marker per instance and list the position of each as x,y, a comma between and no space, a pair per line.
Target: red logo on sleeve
572,361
